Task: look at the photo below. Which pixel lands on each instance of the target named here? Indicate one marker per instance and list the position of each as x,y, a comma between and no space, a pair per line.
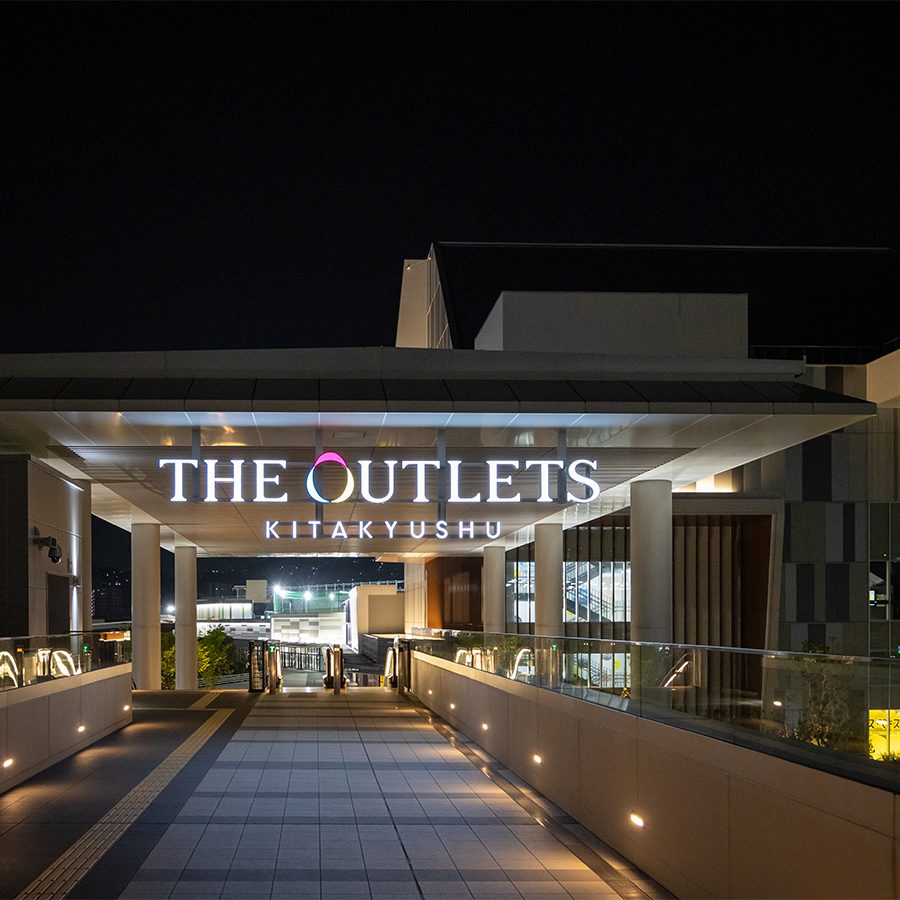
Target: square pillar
651,562
415,605
186,618
84,619
548,579
145,601
493,590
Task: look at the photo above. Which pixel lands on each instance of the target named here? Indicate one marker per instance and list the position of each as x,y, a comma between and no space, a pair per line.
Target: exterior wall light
7,762
452,706
538,758
777,703
636,820
126,707
80,728
430,692
484,726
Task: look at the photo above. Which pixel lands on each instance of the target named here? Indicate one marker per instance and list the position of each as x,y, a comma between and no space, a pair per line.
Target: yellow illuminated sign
884,732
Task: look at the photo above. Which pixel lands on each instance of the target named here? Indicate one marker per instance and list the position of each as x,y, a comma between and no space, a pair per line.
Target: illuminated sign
262,478
884,733
315,528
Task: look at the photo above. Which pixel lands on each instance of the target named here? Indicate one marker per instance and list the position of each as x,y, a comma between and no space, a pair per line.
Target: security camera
53,549
54,552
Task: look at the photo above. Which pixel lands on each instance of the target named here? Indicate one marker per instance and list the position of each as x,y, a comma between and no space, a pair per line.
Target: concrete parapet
719,820
39,723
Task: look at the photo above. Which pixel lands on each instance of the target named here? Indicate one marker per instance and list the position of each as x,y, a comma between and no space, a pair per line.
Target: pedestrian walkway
85,823
298,794
360,796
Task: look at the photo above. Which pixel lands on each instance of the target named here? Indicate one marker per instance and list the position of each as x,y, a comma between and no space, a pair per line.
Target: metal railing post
337,657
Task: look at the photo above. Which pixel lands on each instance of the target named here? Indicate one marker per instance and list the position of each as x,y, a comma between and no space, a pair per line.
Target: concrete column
186,618
85,559
493,590
548,579
651,561
414,599
145,632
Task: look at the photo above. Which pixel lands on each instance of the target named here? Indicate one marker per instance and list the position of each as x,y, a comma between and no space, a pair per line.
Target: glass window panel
510,587
606,670
879,530
627,592
619,543
596,542
894,589
594,590
570,585
583,592
878,595
619,591
895,531
606,596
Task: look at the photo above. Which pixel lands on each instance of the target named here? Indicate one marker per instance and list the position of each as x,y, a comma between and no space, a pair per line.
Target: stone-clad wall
719,820
39,722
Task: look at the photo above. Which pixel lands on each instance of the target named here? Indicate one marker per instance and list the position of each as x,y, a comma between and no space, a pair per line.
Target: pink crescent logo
329,456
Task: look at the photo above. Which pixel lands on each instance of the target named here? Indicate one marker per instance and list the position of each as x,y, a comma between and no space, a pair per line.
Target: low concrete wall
39,723
719,820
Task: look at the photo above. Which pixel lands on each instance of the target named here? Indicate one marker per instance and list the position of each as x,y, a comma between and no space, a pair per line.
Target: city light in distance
170,608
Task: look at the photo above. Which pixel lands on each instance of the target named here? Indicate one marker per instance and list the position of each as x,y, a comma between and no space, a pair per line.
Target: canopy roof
109,418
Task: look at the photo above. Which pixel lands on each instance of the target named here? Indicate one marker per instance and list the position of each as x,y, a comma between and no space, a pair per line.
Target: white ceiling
118,452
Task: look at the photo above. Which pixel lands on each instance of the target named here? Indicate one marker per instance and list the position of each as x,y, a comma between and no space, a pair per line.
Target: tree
216,655
167,661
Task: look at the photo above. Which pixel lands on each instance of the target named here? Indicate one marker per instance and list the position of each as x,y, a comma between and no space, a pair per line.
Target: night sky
230,175
194,175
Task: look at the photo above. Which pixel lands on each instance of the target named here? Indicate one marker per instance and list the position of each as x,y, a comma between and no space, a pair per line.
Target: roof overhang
109,418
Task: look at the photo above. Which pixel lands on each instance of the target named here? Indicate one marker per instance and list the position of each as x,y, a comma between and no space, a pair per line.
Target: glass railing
836,713
40,658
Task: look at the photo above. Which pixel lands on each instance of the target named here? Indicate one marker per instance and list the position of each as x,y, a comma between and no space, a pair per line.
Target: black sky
181,176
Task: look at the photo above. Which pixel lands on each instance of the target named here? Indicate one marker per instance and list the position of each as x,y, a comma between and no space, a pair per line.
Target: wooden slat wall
706,563
706,595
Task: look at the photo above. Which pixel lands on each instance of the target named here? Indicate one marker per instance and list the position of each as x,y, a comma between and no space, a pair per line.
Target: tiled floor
43,816
357,796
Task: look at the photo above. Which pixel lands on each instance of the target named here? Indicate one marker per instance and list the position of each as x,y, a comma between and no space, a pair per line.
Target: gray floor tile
347,798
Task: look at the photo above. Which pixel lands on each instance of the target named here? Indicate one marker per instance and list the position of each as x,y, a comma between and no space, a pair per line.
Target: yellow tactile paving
205,700
58,879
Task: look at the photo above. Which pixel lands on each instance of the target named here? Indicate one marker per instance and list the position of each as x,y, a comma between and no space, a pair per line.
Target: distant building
111,596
